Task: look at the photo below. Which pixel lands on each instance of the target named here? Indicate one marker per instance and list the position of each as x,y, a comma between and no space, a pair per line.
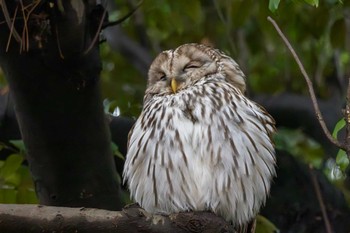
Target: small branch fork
27,11
312,92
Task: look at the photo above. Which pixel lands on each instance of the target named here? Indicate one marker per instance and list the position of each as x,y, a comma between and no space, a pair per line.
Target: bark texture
53,74
32,218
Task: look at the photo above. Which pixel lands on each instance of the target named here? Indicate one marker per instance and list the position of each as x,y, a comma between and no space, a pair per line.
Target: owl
200,144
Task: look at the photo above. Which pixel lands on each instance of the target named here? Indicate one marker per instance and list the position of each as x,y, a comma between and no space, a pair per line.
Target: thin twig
97,32
8,20
59,44
12,29
310,87
24,31
104,25
25,20
320,200
125,17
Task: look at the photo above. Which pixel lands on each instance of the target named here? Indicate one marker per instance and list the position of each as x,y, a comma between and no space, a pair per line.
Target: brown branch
94,40
310,87
320,200
8,20
12,31
34,218
102,24
25,37
125,17
25,32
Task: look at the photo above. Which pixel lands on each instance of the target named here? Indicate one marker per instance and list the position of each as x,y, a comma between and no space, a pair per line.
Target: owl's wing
242,150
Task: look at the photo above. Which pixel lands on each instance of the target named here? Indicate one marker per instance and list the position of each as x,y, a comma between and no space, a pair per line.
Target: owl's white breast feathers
207,147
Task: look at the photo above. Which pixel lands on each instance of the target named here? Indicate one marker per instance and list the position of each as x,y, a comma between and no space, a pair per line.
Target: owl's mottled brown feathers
199,143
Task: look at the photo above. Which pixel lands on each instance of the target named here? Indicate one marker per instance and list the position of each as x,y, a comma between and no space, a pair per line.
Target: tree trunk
53,74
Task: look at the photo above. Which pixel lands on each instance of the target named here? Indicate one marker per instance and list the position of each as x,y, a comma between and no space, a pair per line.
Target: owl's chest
200,107
189,118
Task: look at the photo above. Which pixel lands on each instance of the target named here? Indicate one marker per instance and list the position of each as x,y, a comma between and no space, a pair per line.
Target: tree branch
132,51
34,218
320,200
310,87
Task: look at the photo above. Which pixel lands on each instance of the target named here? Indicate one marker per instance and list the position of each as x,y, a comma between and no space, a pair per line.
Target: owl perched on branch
199,143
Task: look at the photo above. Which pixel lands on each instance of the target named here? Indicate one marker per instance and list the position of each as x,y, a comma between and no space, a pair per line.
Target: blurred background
319,31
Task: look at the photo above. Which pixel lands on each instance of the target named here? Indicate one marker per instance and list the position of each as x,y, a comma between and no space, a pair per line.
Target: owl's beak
174,85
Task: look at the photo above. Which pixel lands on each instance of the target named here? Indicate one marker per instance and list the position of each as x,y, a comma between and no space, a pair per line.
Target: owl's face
175,70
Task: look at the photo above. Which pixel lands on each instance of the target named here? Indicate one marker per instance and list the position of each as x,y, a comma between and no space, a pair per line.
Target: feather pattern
205,147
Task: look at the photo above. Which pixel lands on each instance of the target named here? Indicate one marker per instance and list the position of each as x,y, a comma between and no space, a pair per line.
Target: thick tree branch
33,218
310,87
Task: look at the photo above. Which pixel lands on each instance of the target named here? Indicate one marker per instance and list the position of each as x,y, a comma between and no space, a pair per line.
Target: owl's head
176,70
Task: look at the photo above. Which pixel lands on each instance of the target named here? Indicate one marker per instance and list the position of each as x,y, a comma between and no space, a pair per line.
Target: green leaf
8,196
109,105
13,179
340,124
19,144
116,151
312,2
12,163
273,5
263,225
26,196
26,178
342,160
